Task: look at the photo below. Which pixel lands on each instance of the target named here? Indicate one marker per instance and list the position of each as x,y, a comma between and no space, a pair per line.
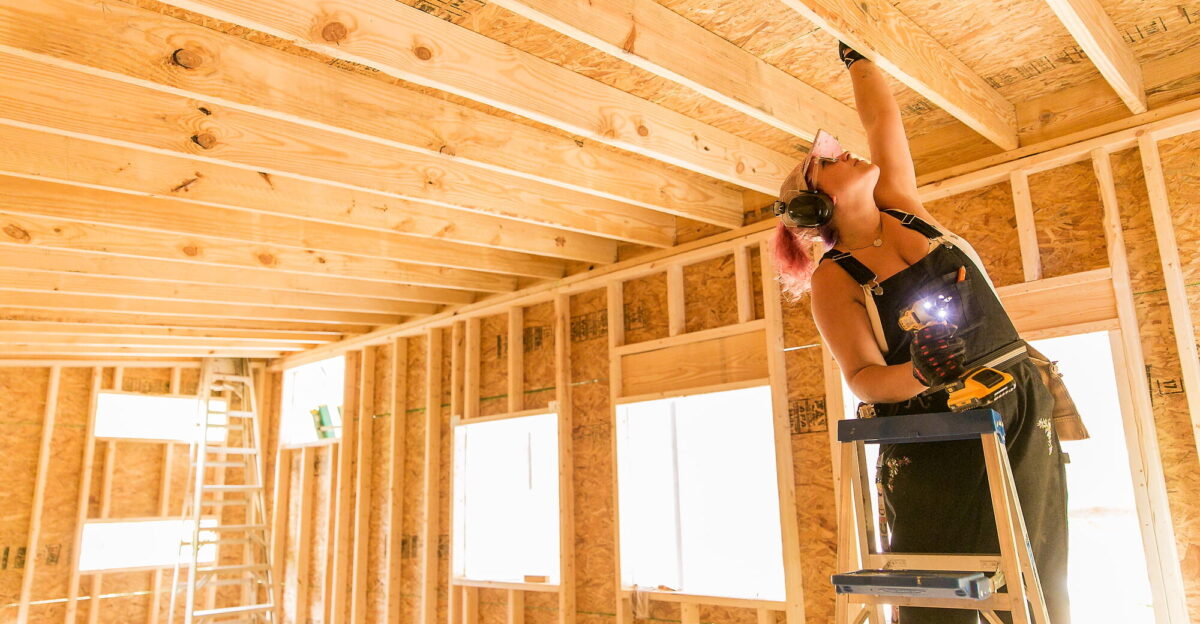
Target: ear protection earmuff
809,209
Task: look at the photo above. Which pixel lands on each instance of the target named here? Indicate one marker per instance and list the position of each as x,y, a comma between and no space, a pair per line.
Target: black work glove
848,55
937,354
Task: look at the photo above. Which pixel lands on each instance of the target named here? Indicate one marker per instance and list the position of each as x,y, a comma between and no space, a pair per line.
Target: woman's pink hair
794,261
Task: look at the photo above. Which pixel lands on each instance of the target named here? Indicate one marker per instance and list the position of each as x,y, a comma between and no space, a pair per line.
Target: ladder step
224,464
231,488
221,542
258,608
916,583
229,569
240,414
238,527
231,450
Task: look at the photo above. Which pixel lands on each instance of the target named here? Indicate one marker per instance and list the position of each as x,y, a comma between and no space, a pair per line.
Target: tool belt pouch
1068,424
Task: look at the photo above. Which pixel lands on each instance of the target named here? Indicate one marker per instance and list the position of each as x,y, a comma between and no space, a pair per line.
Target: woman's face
845,176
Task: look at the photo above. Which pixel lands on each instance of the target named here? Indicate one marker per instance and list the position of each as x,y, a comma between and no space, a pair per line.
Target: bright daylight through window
699,500
312,402
142,544
506,499
153,417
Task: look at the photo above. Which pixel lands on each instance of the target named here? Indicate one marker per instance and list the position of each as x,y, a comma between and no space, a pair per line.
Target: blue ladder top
910,428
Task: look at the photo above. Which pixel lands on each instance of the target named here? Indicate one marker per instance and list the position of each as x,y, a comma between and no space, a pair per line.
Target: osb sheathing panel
645,308
137,474
289,576
539,355
986,218
23,392
709,294
147,380
322,510
1069,219
1179,157
414,436
493,366
595,564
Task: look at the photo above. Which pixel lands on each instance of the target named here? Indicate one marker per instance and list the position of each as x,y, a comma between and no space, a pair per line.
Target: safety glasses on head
810,207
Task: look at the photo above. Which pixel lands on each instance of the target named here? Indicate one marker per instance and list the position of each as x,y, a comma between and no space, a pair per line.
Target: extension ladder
229,576
952,581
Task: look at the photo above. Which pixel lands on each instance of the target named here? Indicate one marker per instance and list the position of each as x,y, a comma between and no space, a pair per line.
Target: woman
880,261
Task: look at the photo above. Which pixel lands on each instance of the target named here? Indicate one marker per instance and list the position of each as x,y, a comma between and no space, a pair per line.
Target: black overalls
935,495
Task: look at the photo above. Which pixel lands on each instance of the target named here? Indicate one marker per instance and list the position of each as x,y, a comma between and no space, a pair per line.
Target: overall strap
913,222
867,279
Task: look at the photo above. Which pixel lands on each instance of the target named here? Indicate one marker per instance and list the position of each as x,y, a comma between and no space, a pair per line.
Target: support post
39,494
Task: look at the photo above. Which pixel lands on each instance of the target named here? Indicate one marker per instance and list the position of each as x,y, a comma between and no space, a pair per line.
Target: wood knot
205,140
187,59
643,130
266,259
741,167
17,233
334,32
423,53
191,251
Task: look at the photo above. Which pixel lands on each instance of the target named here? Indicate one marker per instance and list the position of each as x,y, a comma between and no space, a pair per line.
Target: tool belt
1068,424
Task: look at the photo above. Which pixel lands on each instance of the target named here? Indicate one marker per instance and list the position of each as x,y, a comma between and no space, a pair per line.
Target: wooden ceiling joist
10,350
648,35
185,335
882,33
154,48
136,320
54,96
85,205
181,274
1098,37
30,231
52,341
71,160
407,43
26,281
192,309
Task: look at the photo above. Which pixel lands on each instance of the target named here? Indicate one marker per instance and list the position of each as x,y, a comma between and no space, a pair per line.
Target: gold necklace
878,242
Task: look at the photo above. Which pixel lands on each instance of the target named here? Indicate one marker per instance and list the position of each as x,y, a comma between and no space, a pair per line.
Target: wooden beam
154,120
169,274
10,350
432,460
676,313
322,96
1031,255
516,359
1177,295
1099,39
566,459
85,205
396,465
652,37
615,312
126,288
454,59
515,607
882,33
27,231
1134,392
304,541
470,605
743,283
164,502
785,469
39,494
102,303
460,337
362,486
280,510
343,524
134,320
83,500
184,335
32,338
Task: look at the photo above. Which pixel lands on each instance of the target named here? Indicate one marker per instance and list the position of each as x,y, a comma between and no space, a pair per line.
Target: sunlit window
142,544
312,402
155,417
506,499
699,500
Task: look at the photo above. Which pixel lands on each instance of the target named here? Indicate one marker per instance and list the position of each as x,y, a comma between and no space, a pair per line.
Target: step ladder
229,576
867,579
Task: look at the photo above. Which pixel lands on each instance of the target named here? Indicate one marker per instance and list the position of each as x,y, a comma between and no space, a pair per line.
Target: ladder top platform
910,428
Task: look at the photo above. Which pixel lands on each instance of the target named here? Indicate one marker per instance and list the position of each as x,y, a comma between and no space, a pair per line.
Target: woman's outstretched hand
937,354
848,55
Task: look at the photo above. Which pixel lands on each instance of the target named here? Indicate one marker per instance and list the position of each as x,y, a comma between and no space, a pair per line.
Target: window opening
143,544
156,417
311,409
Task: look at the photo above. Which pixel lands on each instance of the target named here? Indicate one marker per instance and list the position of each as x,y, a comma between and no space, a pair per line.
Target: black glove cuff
848,55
